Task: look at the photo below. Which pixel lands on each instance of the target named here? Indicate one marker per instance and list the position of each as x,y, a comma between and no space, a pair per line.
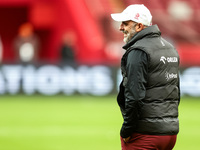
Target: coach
149,92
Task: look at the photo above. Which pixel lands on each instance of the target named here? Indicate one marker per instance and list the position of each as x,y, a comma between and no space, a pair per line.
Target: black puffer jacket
149,93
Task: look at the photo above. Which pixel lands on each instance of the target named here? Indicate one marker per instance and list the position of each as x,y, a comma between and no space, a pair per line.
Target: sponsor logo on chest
168,59
169,76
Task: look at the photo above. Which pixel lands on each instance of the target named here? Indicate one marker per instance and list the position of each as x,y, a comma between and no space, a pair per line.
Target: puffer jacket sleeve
136,68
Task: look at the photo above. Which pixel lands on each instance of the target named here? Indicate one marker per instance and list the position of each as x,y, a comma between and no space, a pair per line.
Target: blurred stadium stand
98,40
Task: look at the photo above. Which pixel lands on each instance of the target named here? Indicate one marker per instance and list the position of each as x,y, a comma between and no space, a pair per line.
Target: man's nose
121,27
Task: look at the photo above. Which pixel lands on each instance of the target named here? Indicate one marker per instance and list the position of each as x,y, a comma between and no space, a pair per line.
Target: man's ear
139,27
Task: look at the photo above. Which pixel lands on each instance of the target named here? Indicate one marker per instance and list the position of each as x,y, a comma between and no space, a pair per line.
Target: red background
91,23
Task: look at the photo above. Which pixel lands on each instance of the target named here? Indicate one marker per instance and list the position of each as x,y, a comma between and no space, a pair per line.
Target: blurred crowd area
82,32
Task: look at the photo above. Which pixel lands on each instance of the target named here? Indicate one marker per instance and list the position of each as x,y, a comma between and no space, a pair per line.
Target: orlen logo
163,59
170,76
168,59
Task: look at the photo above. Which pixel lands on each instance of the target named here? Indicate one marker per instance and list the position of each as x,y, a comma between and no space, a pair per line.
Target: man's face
128,28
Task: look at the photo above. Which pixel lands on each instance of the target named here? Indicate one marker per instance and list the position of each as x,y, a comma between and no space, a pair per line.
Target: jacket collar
151,31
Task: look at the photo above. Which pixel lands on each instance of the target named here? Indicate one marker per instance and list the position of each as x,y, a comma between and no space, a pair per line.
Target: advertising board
68,80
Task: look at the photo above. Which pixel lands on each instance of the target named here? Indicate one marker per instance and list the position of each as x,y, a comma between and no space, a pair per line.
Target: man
149,92
26,44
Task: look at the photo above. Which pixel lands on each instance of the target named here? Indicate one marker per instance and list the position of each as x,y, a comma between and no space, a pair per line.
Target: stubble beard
129,35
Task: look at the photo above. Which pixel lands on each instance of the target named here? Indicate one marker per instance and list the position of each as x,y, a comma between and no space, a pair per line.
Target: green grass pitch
78,123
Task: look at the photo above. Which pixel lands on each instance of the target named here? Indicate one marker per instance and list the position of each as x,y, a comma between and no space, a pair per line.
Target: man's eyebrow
125,22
